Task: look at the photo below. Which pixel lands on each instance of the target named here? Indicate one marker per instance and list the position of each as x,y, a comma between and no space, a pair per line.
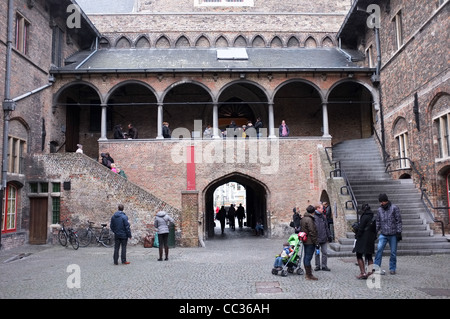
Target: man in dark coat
323,237
240,214
121,229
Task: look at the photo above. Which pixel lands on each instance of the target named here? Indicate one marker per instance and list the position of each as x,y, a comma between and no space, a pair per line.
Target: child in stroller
290,258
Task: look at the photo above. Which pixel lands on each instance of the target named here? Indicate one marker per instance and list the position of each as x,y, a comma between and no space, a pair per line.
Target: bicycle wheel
85,237
107,238
62,237
73,238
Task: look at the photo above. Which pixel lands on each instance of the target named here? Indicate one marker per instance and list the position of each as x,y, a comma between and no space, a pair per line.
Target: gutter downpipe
8,106
378,84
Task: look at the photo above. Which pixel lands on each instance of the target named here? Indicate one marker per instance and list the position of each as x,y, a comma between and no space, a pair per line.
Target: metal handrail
422,190
339,170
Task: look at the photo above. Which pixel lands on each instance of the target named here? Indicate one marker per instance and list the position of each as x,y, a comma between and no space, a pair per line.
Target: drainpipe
8,106
376,81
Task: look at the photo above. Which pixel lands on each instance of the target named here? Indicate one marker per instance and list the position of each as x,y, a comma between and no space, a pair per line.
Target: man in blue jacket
121,228
389,225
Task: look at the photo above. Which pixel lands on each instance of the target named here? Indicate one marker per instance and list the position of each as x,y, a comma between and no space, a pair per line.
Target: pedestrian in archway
283,129
240,214
220,216
232,217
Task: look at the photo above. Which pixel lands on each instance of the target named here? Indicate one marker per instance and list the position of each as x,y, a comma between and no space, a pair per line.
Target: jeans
382,241
117,243
309,253
278,262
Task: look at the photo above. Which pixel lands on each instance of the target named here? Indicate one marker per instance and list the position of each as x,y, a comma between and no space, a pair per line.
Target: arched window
10,209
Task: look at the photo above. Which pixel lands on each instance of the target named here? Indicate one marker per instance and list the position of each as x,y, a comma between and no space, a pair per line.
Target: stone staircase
365,170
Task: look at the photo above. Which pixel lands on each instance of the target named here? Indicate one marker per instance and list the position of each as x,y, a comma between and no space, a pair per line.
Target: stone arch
133,102
240,42
182,42
163,42
77,105
299,103
327,42
350,101
221,42
123,43
257,201
202,42
142,42
242,101
276,42
104,43
310,42
293,42
258,42
184,103
19,128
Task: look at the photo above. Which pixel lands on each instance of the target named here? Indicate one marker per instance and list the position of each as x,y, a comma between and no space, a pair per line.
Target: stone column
103,123
271,121
215,132
325,119
160,120
189,219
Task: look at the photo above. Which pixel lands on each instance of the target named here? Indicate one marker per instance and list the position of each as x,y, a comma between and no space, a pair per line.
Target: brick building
414,85
192,63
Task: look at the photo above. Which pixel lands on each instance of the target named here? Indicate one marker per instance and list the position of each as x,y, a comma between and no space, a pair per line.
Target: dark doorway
256,202
38,220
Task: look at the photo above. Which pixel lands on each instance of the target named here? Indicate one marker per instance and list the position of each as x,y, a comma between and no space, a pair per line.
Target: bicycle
105,237
68,235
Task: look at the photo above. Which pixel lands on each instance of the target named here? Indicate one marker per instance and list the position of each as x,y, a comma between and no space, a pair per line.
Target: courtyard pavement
231,268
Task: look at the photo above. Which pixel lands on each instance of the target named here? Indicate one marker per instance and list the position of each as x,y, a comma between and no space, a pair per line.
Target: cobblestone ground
234,266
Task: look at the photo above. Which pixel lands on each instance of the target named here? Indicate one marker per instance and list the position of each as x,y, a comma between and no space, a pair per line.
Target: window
402,142
398,29
22,30
10,209
56,211
16,149
224,3
442,125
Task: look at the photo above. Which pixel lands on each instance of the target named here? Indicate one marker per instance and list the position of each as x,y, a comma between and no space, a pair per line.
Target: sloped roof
208,60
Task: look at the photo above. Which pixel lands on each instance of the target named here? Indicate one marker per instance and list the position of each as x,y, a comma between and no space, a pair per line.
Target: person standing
121,229
240,214
118,132
323,237
389,225
365,241
308,226
132,132
283,129
232,217
329,216
258,126
162,221
166,130
221,216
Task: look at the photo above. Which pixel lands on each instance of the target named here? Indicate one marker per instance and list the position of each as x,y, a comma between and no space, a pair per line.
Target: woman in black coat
365,241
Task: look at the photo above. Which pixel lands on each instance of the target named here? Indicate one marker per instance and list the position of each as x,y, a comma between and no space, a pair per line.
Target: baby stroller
292,264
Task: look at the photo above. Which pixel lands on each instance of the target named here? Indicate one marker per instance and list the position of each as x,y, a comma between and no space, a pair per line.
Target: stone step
362,164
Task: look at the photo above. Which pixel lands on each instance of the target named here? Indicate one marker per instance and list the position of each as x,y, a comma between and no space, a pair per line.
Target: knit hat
383,198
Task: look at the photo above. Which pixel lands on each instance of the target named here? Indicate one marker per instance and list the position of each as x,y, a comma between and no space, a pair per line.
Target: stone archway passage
256,206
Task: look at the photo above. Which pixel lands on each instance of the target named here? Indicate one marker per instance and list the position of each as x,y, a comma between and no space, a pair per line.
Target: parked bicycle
104,237
68,235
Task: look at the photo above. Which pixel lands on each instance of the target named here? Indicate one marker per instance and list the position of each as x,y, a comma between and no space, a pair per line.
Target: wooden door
38,220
